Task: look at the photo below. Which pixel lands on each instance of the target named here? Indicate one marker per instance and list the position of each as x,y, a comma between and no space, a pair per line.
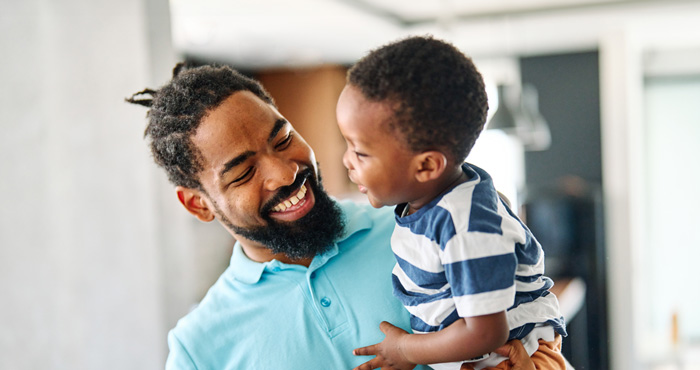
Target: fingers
385,326
509,349
467,366
365,351
516,350
504,350
369,365
517,355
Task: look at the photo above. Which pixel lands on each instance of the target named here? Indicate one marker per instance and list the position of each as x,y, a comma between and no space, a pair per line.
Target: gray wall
97,260
569,97
573,236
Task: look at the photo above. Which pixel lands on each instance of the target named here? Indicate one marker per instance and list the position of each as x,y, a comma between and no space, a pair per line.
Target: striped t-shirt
466,254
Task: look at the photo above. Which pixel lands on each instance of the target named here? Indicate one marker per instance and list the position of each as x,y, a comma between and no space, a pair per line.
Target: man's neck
262,254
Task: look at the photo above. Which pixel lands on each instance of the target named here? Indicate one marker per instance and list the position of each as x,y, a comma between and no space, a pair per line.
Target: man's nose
279,172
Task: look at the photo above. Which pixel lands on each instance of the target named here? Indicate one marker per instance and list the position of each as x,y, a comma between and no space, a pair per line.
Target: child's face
377,161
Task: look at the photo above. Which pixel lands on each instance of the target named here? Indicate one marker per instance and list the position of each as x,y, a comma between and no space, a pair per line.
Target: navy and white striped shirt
466,254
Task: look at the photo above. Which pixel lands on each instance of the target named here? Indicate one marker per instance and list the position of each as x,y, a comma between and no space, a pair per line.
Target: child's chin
375,203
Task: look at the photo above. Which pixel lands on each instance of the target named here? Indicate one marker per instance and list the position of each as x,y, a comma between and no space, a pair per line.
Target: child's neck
446,182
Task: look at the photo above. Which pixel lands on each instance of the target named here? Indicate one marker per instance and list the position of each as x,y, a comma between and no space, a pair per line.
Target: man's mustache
287,191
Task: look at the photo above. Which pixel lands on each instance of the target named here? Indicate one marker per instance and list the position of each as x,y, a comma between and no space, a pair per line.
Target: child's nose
346,159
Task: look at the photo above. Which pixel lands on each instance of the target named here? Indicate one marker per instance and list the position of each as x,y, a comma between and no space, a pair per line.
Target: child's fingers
365,351
386,327
369,365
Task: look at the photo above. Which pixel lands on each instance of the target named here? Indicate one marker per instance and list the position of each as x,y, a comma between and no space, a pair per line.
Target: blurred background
594,132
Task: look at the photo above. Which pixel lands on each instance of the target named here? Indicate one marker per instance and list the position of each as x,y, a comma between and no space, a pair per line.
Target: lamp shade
518,115
503,118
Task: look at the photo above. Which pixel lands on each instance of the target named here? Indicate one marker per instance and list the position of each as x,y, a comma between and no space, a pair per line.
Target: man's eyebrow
276,129
235,162
279,124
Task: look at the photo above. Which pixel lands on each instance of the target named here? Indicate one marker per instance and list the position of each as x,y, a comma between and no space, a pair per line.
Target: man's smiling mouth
291,201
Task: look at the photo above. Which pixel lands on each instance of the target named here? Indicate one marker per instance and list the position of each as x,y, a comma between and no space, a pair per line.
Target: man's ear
430,165
194,203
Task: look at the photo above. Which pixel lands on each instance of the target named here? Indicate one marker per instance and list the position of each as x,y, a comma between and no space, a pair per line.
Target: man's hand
517,357
389,353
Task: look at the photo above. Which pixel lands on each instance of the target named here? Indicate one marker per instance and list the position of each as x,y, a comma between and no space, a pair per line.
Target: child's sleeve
480,268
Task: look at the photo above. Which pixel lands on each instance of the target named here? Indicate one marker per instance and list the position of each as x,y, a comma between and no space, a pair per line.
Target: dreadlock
177,109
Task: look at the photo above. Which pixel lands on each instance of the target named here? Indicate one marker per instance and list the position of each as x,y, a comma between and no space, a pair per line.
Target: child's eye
360,155
285,142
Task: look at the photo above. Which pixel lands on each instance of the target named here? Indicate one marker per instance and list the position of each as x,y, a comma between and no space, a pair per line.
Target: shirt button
325,301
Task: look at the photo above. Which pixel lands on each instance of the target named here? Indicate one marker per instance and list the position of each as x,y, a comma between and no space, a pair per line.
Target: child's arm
462,340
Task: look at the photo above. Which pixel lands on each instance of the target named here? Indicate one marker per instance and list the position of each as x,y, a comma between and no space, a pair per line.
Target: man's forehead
241,113
241,123
242,105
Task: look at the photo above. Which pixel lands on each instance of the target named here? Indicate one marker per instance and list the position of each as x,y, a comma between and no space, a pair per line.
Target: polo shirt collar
248,271
243,268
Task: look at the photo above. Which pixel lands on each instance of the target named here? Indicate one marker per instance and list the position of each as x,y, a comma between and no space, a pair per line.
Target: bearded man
309,277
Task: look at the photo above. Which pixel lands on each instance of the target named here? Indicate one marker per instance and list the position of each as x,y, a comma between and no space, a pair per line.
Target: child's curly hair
437,94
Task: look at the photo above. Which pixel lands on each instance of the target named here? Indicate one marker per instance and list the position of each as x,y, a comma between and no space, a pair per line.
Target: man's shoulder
354,207
367,234
359,216
204,315
225,314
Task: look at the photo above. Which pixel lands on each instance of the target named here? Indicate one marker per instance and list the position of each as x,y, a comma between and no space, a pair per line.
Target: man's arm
462,340
178,358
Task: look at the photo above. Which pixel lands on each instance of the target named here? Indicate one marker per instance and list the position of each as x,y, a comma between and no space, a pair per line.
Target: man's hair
436,93
177,109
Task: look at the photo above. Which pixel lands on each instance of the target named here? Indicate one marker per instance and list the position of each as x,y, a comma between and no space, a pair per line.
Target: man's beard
304,238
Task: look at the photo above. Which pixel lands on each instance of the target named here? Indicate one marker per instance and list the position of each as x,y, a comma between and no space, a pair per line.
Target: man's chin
306,236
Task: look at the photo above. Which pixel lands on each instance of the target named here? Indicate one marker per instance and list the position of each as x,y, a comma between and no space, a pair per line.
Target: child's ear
430,165
194,203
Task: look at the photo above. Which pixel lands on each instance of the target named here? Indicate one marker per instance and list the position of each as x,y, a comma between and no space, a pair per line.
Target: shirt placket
326,302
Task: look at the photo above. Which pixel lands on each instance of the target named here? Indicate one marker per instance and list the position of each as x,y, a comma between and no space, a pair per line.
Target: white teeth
291,201
301,192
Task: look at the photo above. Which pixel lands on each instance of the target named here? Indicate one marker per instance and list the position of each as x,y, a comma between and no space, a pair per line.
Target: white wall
624,56
87,222
671,131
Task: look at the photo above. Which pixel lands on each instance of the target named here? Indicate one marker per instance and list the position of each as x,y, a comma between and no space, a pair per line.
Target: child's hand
389,353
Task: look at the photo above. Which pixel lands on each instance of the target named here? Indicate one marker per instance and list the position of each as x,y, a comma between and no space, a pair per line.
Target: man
309,278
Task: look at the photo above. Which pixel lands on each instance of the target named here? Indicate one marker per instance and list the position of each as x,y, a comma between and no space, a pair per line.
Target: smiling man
309,278
261,183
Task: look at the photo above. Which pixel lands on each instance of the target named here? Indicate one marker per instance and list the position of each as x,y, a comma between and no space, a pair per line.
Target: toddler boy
468,270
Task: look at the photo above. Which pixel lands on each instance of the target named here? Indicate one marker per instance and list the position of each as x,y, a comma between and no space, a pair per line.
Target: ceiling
259,34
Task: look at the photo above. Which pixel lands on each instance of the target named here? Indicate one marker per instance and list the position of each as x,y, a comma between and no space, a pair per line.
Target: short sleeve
178,358
482,274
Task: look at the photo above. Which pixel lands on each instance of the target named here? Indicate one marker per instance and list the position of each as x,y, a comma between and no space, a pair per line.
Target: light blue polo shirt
274,315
